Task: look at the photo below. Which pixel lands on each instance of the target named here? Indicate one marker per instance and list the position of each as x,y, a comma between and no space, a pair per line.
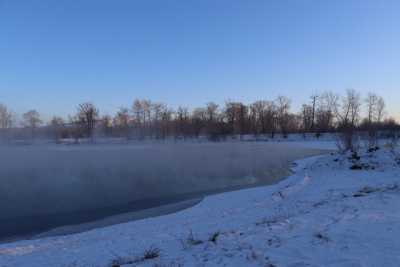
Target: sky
57,54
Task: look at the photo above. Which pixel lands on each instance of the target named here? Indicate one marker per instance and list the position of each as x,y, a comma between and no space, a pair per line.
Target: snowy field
335,210
48,186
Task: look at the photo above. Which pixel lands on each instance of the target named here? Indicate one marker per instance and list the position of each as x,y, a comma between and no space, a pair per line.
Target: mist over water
49,179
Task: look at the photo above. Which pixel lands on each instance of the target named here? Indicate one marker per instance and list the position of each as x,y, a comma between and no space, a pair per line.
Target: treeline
327,112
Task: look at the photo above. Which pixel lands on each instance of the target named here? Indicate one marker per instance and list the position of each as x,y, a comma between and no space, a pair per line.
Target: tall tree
181,121
142,116
106,125
380,109
348,115
87,116
283,108
157,111
375,111
32,121
166,121
237,116
270,118
211,120
6,121
199,120
122,122
307,115
5,117
257,117
57,125
314,99
325,111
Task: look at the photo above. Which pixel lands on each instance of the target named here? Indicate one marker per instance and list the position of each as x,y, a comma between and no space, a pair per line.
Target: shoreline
120,219
208,215
167,209
175,206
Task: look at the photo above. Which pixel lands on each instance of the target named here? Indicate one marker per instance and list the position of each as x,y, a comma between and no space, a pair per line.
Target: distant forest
327,112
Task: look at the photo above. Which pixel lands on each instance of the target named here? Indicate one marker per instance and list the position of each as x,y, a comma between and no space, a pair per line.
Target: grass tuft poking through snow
151,253
214,237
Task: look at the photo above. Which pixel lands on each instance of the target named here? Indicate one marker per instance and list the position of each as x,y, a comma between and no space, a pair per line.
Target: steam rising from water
39,180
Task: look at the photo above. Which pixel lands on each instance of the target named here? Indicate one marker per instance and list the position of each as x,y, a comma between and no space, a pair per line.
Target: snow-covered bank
323,215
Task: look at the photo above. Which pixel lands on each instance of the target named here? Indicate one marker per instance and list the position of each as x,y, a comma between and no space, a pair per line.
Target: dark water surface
44,187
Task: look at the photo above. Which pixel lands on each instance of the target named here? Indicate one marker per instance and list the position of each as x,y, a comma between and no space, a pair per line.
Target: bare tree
57,125
211,120
294,122
138,115
75,129
307,115
352,103
122,122
157,109
199,119
166,121
5,117
348,115
181,122
375,112
237,117
32,121
371,101
6,121
270,118
380,110
211,111
87,116
314,99
325,112
257,114
146,106
283,107
142,116
230,115
106,125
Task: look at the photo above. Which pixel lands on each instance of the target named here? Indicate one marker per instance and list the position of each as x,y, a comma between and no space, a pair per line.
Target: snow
325,214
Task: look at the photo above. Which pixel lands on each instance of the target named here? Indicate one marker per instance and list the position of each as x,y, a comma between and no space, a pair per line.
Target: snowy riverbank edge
323,215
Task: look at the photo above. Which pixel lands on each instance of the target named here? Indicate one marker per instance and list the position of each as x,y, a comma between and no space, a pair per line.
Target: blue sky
56,54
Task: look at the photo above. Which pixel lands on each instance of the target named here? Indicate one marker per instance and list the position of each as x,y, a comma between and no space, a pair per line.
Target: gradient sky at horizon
56,54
